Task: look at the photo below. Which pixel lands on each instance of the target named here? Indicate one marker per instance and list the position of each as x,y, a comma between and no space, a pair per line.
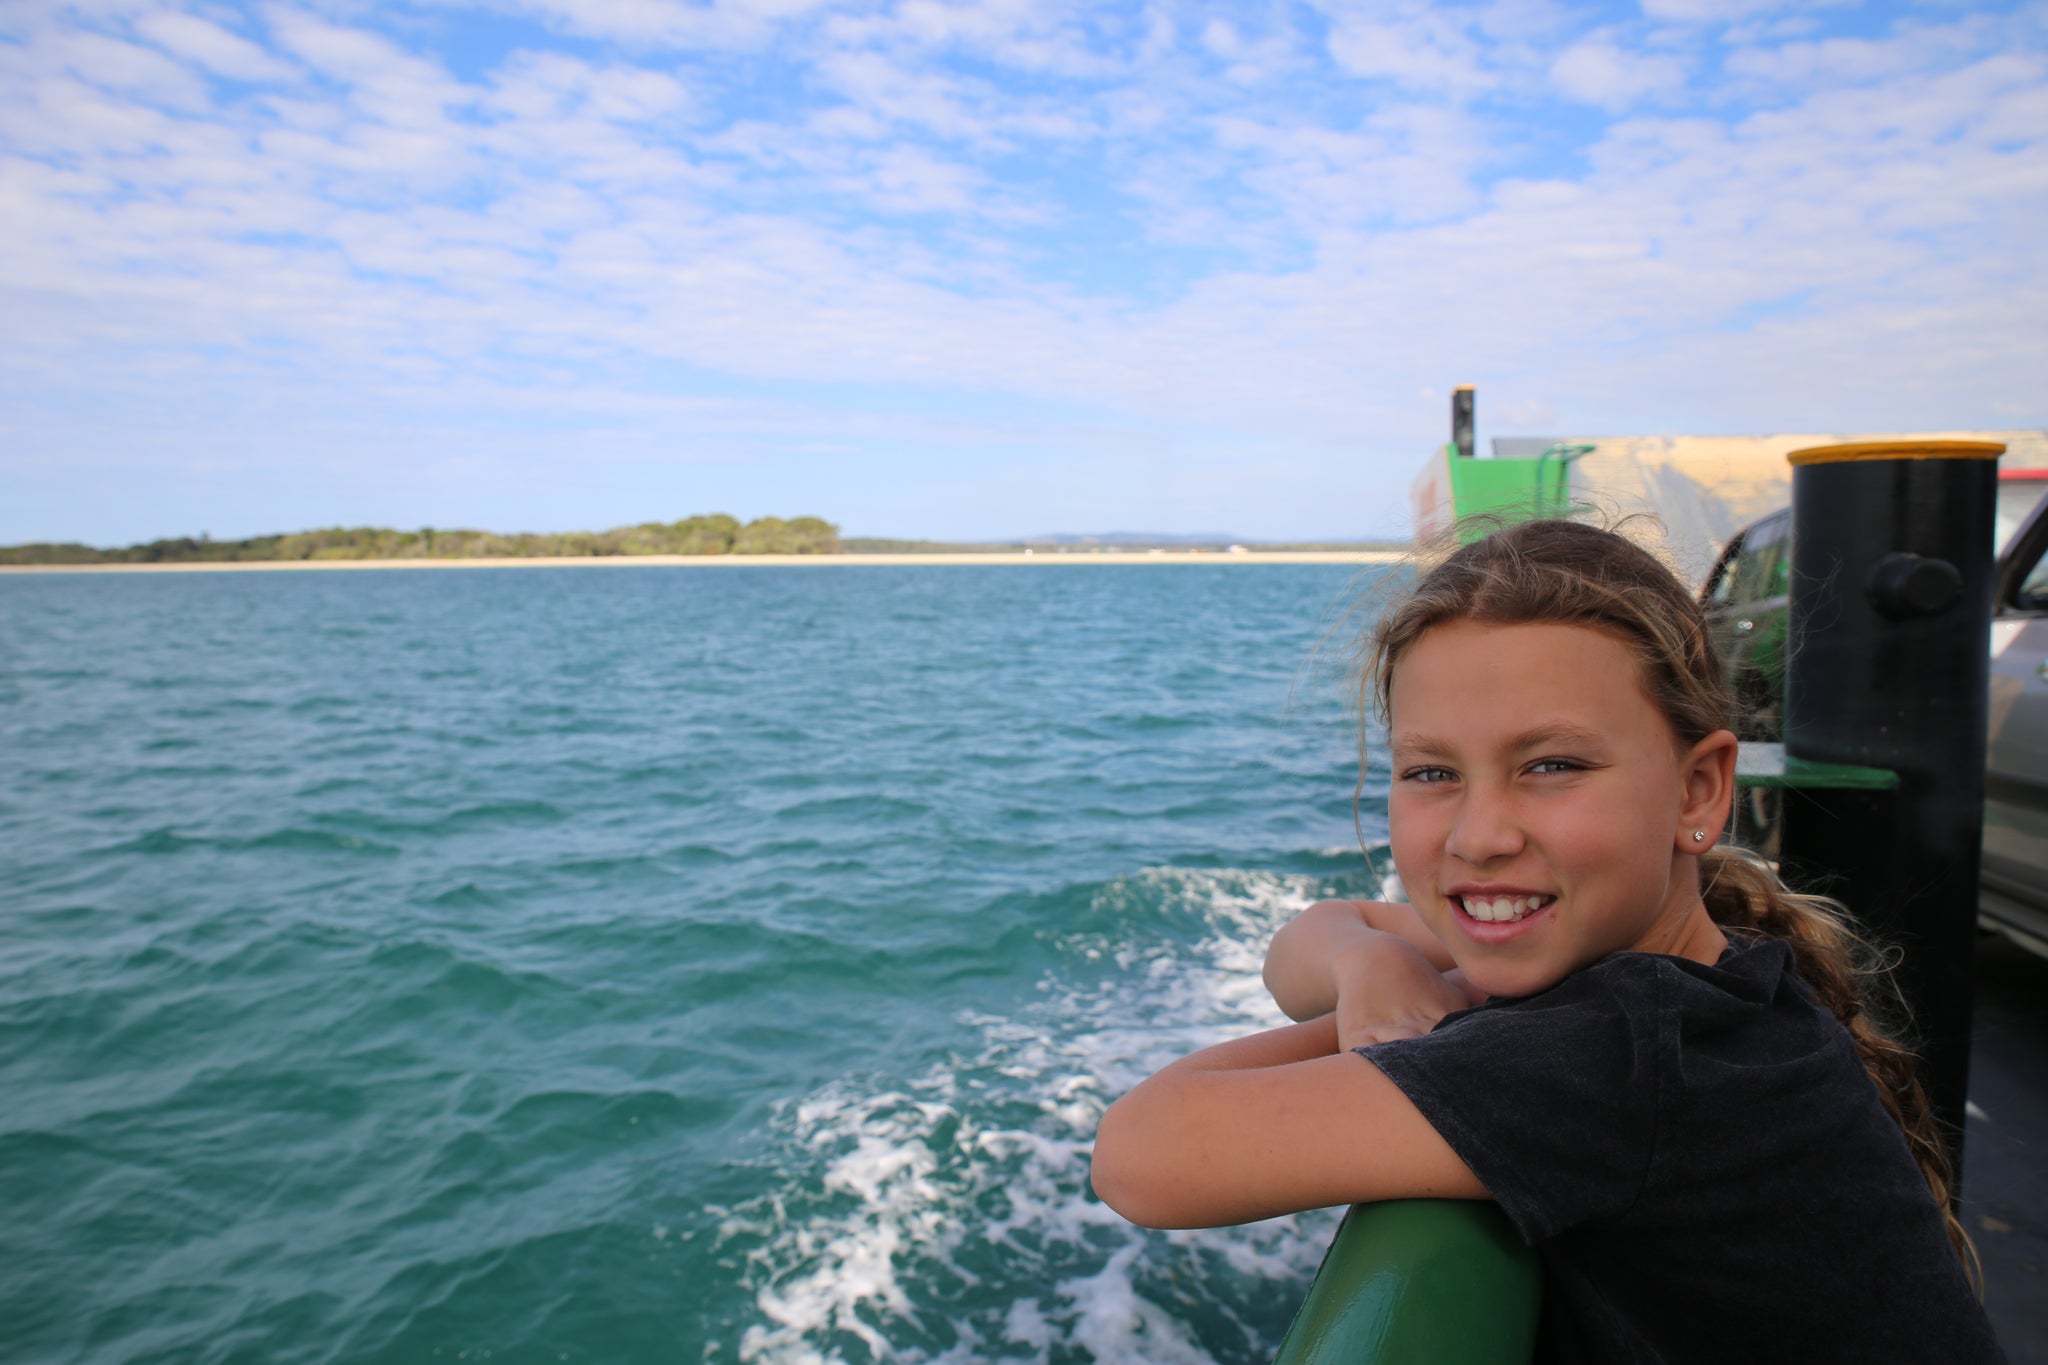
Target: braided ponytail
1575,574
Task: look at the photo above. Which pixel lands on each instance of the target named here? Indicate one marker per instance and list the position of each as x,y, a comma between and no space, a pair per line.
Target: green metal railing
1563,453
1443,1281
1767,765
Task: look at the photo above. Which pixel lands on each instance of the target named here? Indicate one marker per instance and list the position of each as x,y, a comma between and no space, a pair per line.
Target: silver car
2014,896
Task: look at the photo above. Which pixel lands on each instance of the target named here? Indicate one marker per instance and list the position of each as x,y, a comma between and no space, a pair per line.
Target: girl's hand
1301,963
1386,989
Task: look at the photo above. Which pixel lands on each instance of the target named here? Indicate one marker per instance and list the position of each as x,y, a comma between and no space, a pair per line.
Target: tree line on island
716,534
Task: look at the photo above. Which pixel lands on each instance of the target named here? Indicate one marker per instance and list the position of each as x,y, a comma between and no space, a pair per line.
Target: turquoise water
639,964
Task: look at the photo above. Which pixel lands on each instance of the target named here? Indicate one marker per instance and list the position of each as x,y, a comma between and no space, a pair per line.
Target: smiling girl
1656,1059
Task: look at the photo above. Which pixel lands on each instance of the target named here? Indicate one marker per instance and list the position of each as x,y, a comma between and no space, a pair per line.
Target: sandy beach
1046,558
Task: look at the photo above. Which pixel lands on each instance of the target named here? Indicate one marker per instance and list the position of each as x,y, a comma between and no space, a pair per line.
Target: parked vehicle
1747,596
2014,878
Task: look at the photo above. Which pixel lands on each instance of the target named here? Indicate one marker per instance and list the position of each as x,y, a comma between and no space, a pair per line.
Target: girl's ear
1708,772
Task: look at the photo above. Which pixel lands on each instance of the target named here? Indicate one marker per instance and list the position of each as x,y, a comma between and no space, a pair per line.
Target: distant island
716,534
1116,542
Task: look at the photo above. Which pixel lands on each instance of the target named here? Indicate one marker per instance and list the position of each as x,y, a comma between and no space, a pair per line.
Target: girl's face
1542,807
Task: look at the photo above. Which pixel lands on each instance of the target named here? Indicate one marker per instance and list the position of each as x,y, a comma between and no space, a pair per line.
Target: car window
1721,583
2033,590
2016,498
1762,568
1777,576
1781,575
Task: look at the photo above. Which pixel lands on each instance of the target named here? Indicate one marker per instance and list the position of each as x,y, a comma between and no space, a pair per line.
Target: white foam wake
946,1218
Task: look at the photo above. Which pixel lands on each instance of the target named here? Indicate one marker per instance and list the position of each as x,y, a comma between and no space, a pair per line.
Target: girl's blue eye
1428,775
1555,765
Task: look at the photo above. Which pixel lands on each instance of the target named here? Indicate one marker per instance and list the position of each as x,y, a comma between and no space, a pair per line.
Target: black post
1889,651
1462,430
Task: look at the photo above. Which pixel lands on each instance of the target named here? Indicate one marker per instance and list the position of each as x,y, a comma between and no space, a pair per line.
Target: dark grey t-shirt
1702,1162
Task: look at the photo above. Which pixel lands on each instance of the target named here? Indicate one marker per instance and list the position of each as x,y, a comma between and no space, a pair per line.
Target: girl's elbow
1113,1189
1135,1199
1125,1172
1296,972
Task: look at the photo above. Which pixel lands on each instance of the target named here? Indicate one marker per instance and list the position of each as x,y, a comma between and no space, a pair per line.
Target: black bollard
1889,661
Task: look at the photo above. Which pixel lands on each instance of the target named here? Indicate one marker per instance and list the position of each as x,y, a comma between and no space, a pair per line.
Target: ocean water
642,964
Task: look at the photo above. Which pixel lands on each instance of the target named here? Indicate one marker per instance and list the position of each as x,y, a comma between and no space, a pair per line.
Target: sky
979,270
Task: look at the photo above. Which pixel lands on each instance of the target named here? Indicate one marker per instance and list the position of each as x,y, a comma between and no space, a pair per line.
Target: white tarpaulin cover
1703,489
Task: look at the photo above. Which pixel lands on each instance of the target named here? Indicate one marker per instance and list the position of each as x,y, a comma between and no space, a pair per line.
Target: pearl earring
1699,836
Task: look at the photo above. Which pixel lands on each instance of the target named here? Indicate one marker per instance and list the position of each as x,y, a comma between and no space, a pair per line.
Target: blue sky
989,269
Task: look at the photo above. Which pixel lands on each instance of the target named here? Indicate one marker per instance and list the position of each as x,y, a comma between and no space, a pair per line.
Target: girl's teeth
1502,909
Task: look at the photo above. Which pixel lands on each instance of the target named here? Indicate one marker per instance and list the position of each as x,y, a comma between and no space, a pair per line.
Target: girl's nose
1484,831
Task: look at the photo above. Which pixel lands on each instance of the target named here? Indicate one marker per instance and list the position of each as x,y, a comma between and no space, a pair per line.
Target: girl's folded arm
1271,1124
1303,960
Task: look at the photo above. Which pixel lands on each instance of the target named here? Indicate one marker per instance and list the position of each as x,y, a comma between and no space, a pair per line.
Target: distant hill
1107,542
716,534
1145,539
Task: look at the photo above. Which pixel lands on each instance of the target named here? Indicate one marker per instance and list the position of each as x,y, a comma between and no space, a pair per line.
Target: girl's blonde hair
1575,574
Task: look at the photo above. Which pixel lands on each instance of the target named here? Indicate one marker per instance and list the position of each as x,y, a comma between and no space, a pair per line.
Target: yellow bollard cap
1898,450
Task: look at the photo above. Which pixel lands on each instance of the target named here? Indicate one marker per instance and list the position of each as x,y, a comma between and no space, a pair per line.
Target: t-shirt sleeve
1551,1100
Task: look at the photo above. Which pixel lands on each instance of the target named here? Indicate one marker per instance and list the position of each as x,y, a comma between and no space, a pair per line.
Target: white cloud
1423,51
1406,163
212,47
722,24
1727,11
1601,73
130,70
